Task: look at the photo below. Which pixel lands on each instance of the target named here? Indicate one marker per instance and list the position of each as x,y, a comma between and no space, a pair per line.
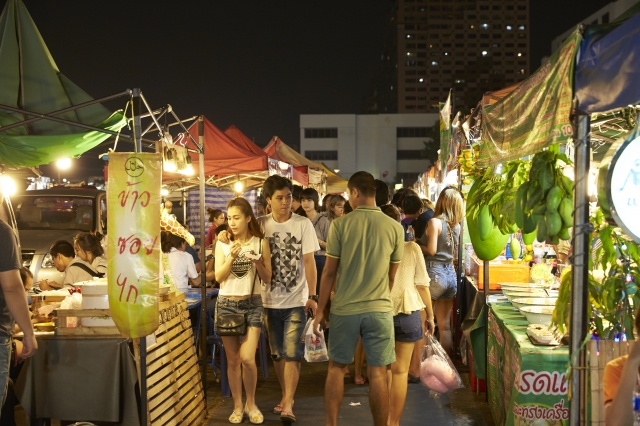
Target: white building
389,146
607,14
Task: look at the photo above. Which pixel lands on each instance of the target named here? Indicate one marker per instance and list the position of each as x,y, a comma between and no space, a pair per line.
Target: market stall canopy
279,150
222,154
335,183
236,134
32,82
608,69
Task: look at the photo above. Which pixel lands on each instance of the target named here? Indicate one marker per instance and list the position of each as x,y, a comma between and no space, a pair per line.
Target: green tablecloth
526,381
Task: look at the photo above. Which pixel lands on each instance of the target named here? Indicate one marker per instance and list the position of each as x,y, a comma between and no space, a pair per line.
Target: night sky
255,64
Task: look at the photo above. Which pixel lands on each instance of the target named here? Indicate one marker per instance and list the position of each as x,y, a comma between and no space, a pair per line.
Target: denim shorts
284,328
252,307
408,328
443,280
5,361
376,330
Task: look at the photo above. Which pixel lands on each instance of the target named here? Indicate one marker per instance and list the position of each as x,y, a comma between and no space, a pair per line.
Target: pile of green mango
545,203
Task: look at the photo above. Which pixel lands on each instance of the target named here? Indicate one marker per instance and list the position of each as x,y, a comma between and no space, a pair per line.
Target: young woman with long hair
409,296
310,203
88,248
335,209
440,248
240,275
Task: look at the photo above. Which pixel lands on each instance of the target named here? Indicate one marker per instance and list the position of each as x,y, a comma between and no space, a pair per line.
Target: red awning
222,154
236,134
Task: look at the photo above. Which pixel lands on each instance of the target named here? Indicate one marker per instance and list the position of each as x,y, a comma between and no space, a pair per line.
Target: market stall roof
608,66
335,183
222,154
236,134
32,82
279,150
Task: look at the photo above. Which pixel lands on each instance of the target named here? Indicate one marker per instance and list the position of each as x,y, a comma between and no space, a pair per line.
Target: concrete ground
460,408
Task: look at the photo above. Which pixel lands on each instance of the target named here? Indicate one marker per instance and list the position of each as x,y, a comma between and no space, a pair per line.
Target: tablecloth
80,379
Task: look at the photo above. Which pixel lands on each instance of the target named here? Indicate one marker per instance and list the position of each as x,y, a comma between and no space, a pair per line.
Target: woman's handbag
235,324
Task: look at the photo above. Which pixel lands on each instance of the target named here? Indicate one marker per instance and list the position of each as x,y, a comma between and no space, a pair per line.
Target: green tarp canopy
31,81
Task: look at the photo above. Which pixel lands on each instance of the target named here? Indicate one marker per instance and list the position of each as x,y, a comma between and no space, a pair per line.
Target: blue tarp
608,68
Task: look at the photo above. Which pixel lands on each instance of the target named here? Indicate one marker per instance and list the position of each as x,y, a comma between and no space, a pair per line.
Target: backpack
88,270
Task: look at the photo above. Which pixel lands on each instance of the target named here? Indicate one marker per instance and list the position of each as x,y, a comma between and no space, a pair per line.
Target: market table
80,379
526,381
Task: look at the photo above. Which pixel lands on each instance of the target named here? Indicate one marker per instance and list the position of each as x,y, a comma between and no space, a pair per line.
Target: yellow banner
133,209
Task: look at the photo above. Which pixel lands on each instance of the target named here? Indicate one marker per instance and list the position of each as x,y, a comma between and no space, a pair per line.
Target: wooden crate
600,352
62,328
174,386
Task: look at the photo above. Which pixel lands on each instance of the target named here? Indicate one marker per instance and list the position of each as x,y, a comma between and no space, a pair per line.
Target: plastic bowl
534,301
538,314
522,294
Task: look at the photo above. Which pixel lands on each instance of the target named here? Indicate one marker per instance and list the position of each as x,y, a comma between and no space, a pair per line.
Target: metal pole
71,108
135,101
579,271
485,280
203,265
184,206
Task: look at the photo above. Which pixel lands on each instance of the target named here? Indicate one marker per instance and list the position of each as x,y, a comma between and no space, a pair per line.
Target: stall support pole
485,281
579,272
459,277
137,140
184,207
203,266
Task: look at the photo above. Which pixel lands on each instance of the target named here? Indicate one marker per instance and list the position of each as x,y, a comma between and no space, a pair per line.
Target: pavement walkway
460,408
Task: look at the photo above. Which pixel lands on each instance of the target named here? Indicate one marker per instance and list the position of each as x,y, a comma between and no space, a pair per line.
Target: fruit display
490,247
541,272
544,204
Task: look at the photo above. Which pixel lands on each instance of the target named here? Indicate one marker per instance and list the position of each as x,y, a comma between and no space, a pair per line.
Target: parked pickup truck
45,216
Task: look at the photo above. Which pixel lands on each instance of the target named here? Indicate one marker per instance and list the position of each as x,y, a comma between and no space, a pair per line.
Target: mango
567,184
491,247
516,248
529,238
542,233
530,223
554,223
566,212
564,234
485,223
554,196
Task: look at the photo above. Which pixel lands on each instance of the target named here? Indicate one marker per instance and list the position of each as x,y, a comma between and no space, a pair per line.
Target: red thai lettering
132,288
150,244
137,196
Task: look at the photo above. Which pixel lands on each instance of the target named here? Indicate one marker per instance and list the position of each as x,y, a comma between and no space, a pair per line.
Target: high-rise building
470,46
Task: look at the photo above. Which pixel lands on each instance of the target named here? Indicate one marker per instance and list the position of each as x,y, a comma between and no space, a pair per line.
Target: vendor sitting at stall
620,379
88,248
75,269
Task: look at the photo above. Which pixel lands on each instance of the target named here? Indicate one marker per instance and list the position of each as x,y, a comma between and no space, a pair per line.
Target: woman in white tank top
241,266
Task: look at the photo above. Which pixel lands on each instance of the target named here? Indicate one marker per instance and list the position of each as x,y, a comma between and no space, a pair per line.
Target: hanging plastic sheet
533,116
133,203
608,68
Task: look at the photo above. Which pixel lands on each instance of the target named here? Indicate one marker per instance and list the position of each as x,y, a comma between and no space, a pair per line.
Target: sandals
236,418
287,417
360,380
255,416
278,408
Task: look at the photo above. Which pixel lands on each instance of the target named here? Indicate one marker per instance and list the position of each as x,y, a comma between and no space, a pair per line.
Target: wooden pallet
174,386
62,328
600,352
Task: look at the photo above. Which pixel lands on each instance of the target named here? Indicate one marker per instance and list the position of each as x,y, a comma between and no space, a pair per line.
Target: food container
164,289
500,271
523,285
521,294
95,296
534,301
45,326
541,334
538,314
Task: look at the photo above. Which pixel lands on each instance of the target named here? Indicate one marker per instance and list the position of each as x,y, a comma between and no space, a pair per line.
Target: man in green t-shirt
364,249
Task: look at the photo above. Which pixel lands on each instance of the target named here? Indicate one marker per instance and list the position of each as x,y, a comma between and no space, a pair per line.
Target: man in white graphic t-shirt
292,291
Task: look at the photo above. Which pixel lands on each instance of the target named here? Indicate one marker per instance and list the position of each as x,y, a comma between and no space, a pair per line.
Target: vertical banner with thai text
133,209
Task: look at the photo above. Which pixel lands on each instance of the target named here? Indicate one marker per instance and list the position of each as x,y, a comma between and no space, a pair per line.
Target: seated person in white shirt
182,265
88,248
75,269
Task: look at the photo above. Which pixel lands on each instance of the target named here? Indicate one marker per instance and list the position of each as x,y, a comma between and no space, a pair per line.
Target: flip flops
287,417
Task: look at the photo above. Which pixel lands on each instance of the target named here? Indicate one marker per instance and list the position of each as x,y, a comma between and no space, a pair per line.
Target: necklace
244,243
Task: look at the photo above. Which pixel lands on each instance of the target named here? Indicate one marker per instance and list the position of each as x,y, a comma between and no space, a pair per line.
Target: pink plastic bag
436,369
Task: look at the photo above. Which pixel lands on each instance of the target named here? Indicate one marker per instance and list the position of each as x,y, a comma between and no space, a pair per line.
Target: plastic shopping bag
436,369
315,348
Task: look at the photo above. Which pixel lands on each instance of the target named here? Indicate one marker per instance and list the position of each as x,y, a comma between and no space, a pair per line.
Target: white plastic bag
436,369
315,348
